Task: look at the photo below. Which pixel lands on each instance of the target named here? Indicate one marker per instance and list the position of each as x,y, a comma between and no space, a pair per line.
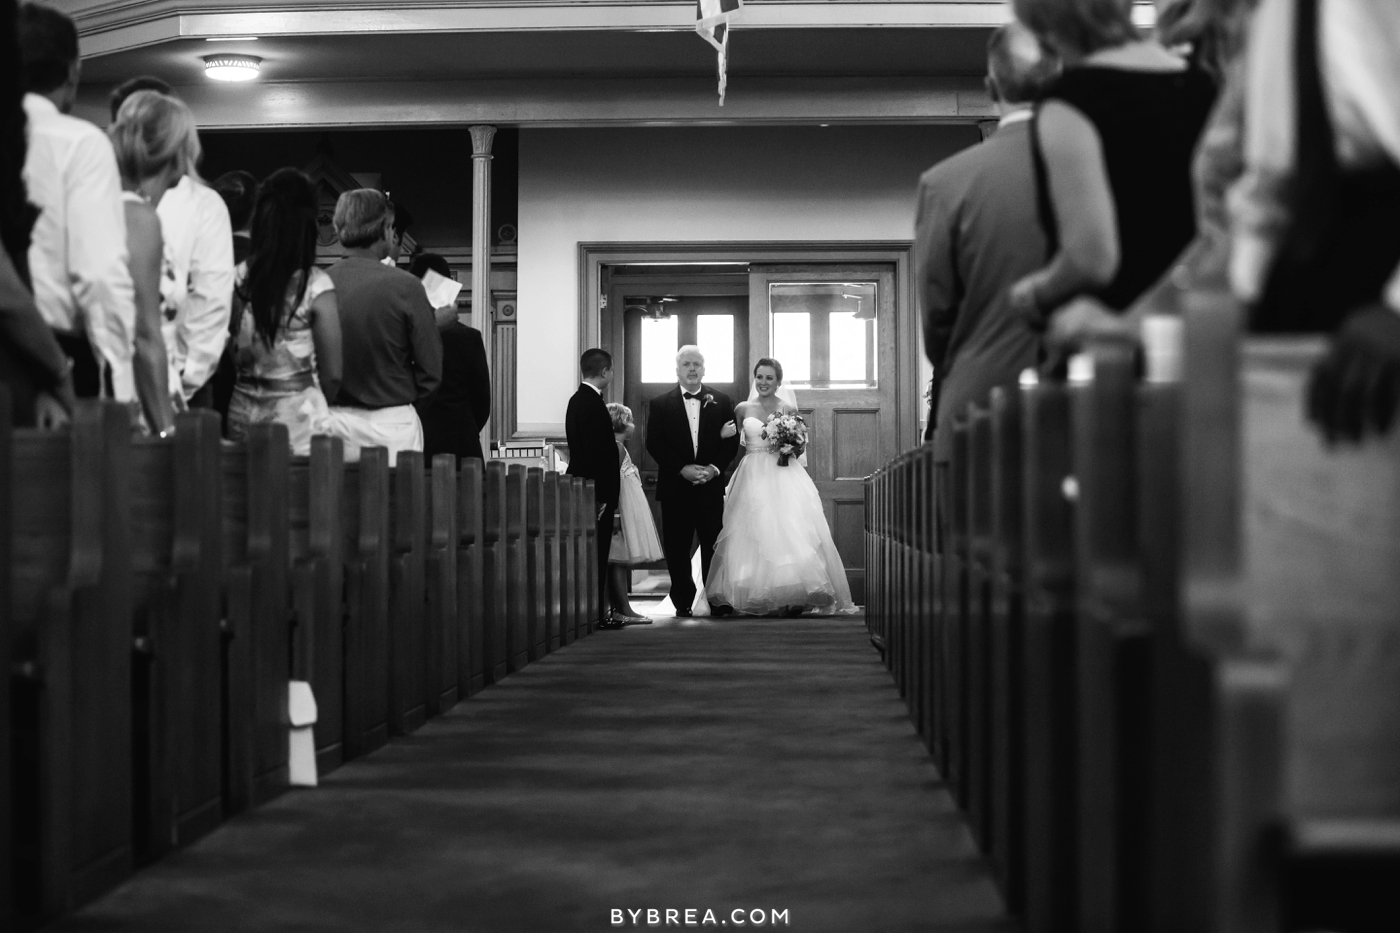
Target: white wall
693,184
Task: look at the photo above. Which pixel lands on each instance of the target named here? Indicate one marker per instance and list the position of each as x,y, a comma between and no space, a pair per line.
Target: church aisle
733,764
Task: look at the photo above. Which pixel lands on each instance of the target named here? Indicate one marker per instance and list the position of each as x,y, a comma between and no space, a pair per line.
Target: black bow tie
691,394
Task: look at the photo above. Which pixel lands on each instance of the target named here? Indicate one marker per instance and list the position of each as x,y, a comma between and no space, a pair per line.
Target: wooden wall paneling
537,585
551,534
7,911
855,442
407,634
440,579
517,572
955,669
1006,620
366,553
568,562
1113,641
71,642
978,626
503,378
471,586
1048,675
494,568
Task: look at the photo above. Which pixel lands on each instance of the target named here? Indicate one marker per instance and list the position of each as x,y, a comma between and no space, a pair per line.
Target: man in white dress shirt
197,291
77,257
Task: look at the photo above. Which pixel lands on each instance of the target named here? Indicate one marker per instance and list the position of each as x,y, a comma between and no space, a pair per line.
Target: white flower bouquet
786,435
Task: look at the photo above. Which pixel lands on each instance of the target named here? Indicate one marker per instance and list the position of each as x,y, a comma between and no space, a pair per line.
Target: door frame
595,256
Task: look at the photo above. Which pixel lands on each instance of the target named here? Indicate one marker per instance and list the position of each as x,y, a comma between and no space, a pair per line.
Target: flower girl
635,541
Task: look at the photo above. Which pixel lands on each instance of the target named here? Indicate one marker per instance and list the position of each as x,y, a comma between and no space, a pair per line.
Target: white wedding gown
775,551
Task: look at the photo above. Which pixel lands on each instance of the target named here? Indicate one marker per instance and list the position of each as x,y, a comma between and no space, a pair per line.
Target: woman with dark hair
775,554
1115,135
288,356
32,365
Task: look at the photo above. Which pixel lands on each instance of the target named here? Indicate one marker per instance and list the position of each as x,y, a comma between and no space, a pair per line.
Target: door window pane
659,345
792,345
824,332
714,335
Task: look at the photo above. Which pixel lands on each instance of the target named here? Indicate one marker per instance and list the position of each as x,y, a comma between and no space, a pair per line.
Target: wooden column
482,137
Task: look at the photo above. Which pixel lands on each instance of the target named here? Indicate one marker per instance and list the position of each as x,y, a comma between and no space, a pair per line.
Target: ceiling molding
575,102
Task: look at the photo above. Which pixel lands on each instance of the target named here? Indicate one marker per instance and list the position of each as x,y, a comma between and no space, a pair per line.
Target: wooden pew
1048,674
518,595
568,562
929,588
177,701
71,644
471,602
6,587
1006,621
1112,647
257,657
956,599
407,628
537,564
316,507
443,621
592,594
1292,596
494,569
366,555
980,554
552,533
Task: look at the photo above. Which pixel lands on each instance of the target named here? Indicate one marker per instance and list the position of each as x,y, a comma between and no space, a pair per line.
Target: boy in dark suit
593,452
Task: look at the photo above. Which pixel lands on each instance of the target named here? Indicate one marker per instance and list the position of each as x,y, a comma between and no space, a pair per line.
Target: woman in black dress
1115,136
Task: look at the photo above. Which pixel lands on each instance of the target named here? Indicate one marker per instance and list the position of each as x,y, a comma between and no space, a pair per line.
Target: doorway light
232,67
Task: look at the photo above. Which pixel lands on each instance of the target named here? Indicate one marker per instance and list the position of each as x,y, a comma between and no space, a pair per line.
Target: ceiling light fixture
232,67
231,39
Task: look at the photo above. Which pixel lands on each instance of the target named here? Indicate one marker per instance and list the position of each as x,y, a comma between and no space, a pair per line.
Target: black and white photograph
839,466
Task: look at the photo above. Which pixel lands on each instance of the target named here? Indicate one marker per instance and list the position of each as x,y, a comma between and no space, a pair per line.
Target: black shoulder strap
1045,208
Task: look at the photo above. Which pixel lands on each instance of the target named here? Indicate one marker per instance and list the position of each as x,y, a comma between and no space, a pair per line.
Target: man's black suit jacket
453,417
592,445
668,442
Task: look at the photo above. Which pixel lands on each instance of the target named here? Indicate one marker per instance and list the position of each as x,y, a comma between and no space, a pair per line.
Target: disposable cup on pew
471,602
440,581
177,566
366,555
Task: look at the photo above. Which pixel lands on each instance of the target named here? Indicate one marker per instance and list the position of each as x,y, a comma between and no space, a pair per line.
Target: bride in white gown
775,553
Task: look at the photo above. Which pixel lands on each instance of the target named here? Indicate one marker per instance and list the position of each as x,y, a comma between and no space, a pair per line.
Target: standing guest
593,453
154,137
453,418
32,365
197,291
77,257
239,190
1316,242
975,230
288,340
635,541
692,436
1116,133
393,355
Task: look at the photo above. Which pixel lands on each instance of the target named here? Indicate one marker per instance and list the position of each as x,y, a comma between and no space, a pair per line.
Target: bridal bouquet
787,435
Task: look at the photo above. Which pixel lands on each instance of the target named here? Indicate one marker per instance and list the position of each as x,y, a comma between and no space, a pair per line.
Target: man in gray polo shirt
391,348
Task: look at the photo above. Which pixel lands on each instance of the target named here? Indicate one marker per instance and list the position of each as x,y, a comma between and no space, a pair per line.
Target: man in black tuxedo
692,437
593,452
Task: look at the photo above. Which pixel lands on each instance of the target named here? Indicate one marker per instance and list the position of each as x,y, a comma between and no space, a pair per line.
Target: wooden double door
832,327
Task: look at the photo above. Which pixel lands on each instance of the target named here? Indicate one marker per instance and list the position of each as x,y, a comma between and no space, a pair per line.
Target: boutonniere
707,400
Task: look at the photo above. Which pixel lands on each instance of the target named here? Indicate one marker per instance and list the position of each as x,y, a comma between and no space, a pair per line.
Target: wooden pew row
214,573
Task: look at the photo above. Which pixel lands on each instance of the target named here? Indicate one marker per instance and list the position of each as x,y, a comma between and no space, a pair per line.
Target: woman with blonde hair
156,144
635,541
1114,138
